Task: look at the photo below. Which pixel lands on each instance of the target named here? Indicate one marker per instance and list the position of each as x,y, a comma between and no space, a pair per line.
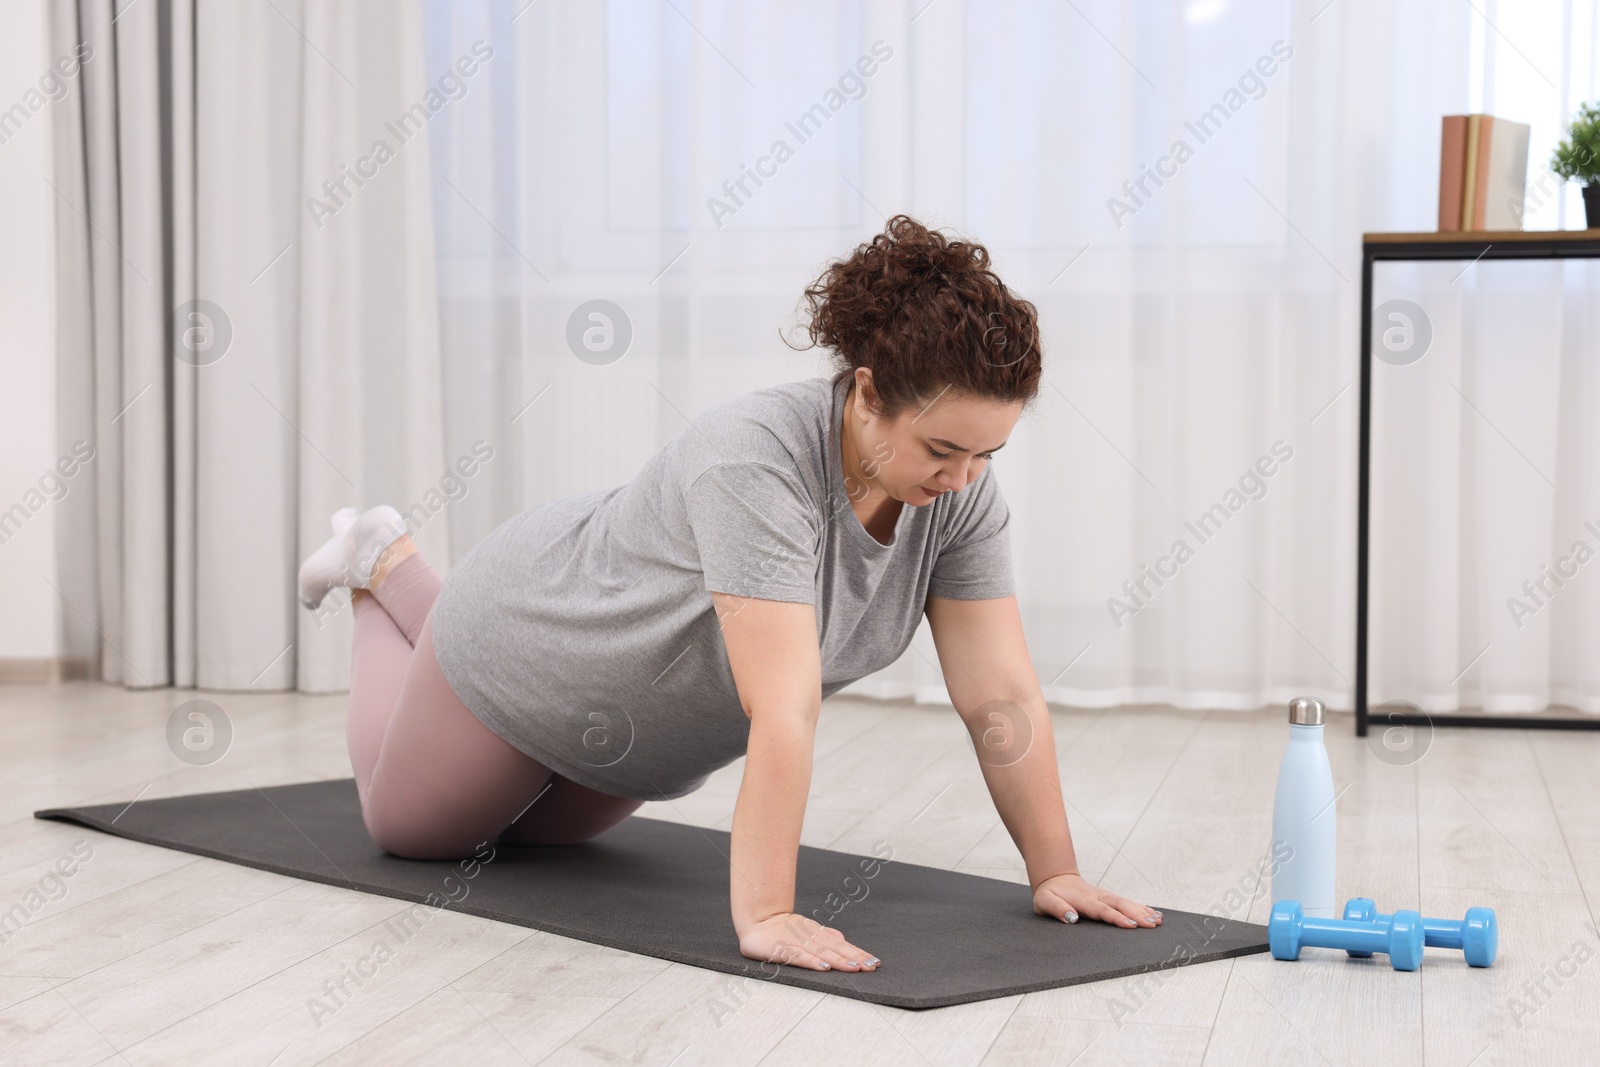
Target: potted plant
1578,159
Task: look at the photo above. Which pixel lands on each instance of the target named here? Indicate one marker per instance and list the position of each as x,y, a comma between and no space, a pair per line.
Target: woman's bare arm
990,678
772,649
777,667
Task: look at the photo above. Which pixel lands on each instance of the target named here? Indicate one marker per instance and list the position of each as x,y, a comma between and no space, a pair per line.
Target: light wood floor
155,957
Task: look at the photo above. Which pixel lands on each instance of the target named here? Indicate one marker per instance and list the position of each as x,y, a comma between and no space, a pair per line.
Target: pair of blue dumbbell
1364,931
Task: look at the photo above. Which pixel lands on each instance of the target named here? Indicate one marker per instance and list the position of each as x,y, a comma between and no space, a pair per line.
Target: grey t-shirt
582,630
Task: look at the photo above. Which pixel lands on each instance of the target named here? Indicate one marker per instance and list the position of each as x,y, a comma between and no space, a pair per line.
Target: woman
619,645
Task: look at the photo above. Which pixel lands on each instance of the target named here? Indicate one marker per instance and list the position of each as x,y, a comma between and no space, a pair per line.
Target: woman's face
928,451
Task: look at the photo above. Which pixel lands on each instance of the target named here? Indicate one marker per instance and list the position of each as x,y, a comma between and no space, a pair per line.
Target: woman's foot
349,557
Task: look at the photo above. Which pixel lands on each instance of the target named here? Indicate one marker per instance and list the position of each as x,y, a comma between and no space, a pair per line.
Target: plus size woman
619,645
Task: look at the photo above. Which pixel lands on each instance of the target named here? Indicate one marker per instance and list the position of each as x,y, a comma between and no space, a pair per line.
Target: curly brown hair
926,314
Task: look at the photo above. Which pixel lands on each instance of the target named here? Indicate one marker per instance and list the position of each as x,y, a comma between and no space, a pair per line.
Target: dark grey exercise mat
661,889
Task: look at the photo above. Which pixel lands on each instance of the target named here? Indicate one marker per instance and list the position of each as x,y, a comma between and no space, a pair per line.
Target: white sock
347,558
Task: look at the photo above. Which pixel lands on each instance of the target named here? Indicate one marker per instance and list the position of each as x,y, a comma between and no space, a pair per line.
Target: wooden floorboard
148,956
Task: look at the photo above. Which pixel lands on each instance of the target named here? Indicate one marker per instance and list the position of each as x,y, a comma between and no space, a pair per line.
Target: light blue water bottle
1303,831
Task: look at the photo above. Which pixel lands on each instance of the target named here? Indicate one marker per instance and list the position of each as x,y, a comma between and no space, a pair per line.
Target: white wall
29,607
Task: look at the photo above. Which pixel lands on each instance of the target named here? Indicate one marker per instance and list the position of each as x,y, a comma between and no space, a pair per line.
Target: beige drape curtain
241,363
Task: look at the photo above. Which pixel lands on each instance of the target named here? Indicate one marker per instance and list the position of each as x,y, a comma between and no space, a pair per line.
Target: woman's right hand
803,942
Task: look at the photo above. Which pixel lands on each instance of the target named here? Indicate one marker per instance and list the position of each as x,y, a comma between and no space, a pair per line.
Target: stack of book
1483,171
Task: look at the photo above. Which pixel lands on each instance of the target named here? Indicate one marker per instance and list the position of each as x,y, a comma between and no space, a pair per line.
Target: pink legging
435,783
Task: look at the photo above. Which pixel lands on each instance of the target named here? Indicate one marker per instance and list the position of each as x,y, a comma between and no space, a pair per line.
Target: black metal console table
1473,245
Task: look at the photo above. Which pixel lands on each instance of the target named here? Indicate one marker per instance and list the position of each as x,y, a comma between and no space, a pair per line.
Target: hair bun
925,313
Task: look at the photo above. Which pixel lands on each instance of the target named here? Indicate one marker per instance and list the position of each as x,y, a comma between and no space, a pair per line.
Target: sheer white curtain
242,359
1180,188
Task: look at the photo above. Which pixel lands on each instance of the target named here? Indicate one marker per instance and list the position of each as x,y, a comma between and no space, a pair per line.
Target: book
1483,171
1452,171
1502,175
1469,179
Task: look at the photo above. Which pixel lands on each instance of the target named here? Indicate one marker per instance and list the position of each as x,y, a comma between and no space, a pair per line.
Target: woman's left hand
1067,896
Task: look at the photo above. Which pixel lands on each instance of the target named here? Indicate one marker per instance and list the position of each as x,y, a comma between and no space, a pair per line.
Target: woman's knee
402,834
443,783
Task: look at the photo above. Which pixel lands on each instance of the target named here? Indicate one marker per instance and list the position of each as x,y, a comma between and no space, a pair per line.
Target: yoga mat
661,889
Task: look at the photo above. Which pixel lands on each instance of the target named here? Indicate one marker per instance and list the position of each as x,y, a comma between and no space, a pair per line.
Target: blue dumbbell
1477,936
1400,938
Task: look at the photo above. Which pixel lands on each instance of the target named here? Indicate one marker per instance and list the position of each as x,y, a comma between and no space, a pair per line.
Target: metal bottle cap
1305,711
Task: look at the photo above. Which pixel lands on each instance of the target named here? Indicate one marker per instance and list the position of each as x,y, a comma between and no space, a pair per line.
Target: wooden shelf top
1480,236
